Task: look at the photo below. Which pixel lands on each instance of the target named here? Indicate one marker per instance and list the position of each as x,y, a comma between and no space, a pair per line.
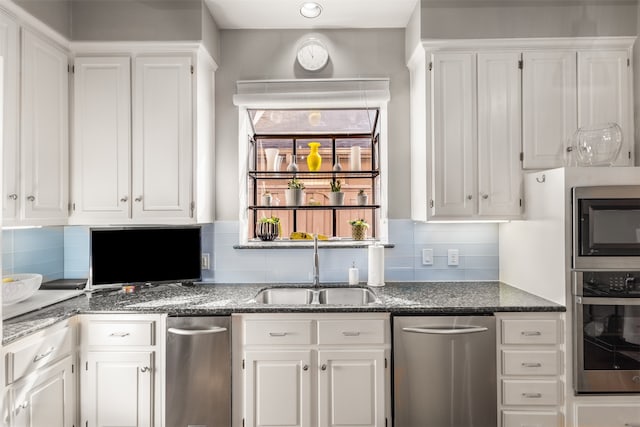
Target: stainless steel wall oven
607,331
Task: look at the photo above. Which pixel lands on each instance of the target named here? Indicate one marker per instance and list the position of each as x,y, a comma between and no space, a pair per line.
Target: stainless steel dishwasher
198,387
444,371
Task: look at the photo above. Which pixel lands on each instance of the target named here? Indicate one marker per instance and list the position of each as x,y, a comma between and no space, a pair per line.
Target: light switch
453,257
427,257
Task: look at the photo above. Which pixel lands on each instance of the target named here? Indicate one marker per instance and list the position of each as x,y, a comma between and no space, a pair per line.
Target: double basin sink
304,296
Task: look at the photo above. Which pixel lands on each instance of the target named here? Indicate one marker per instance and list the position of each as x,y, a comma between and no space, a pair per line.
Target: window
335,153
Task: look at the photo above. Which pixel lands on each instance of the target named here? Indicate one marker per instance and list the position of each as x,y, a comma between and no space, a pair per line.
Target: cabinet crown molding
618,42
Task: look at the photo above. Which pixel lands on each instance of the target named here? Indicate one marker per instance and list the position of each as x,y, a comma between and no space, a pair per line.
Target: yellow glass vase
314,159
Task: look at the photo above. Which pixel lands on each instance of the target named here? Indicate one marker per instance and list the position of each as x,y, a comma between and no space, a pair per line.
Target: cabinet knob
138,199
323,367
469,197
31,198
124,199
485,196
305,368
24,405
145,369
13,196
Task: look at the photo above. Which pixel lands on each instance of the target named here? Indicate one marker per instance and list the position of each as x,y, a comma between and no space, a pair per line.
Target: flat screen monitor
131,255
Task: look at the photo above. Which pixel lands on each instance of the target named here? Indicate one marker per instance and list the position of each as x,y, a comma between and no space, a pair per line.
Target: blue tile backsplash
58,252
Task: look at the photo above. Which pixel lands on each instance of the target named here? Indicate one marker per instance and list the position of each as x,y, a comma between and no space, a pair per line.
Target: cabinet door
277,388
352,388
117,390
548,107
45,142
499,177
162,139
454,161
45,398
10,121
102,140
609,415
604,95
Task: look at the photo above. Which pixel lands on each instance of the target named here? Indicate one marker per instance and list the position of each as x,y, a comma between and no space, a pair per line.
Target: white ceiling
234,14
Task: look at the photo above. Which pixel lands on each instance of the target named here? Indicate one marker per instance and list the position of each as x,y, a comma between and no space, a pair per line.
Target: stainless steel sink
346,296
285,296
302,296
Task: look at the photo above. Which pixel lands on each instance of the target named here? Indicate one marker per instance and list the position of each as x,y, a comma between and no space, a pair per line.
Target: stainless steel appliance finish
607,332
198,389
606,227
445,371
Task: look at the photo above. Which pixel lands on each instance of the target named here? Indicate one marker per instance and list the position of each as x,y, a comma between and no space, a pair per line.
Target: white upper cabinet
454,166
101,186
499,175
44,132
476,135
9,51
604,94
548,107
142,153
162,138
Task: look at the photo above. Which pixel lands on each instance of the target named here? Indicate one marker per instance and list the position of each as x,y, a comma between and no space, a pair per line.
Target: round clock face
312,55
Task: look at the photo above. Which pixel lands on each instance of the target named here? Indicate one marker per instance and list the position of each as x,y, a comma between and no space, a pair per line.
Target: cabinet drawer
530,392
530,419
260,332
518,362
609,415
126,332
531,331
351,331
25,360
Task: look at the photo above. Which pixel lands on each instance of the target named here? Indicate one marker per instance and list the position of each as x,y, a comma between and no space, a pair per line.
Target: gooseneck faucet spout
316,262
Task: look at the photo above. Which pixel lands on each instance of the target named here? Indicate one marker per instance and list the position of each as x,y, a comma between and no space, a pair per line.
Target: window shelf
313,207
313,175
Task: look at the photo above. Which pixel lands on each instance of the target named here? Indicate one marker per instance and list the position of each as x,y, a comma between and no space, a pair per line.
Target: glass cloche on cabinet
595,145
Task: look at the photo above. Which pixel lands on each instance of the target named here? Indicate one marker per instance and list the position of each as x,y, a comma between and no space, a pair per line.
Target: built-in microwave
606,227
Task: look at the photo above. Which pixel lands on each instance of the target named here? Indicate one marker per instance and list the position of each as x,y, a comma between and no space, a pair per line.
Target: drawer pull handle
531,364
119,334
631,424
39,357
277,334
145,369
531,333
532,395
351,333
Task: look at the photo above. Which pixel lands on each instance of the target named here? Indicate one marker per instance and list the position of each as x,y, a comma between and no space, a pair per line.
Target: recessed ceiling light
310,10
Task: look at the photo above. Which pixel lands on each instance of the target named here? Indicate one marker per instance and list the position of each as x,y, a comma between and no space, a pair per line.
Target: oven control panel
609,283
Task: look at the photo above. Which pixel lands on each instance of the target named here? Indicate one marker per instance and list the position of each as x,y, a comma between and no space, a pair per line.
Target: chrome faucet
316,262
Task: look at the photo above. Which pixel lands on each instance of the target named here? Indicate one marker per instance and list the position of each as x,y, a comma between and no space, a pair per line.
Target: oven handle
607,301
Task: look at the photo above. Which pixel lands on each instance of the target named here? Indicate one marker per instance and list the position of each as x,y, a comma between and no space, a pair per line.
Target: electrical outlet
427,257
205,263
453,257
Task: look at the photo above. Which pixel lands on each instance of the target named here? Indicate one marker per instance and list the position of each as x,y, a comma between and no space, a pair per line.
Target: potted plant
336,197
362,198
268,228
359,229
294,194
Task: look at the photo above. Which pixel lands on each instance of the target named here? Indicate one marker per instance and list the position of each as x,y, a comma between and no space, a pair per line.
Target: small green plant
295,184
358,223
335,185
269,220
361,192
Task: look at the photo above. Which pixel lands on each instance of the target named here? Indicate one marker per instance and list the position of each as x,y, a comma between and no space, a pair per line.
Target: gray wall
137,20
210,34
54,13
270,54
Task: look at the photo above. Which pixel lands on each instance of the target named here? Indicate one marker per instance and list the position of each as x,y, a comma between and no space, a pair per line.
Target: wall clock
312,54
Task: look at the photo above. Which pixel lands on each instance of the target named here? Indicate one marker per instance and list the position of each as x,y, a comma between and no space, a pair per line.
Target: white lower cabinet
530,369
590,415
40,379
315,371
122,365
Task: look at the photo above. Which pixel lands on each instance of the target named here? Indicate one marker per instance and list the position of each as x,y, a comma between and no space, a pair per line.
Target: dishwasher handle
444,331
192,332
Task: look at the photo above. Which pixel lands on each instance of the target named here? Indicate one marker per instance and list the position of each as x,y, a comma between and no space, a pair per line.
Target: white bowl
21,288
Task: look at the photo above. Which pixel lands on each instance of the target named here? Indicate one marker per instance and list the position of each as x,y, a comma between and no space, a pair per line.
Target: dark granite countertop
223,299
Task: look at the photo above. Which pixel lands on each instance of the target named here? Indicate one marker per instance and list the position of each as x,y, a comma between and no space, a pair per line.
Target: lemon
7,280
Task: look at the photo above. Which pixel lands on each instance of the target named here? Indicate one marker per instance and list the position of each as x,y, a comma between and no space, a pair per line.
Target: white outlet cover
453,257
427,257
